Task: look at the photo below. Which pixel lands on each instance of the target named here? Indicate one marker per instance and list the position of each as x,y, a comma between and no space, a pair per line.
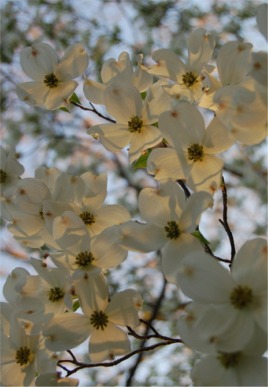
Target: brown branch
93,110
115,362
148,327
224,222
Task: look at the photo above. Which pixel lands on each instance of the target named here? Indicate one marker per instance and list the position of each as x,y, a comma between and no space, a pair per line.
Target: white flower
100,320
242,368
134,119
187,78
101,253
52,78
233,303
170,221
243,113
195,148
22,356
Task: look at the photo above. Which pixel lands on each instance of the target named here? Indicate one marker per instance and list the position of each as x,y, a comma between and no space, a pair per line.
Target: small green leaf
142,160
143,95
64,109
76,305
74,98
201,237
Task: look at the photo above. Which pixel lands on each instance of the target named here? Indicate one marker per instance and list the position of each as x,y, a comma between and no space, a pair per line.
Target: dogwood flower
22,356
134,120
188,78
101,253
100,320
53,82
233,303
242,368
194,155
170,222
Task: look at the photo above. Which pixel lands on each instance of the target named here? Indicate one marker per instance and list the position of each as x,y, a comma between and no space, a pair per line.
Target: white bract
100,320
53,83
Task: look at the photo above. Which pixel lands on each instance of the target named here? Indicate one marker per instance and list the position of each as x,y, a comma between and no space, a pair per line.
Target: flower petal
107,343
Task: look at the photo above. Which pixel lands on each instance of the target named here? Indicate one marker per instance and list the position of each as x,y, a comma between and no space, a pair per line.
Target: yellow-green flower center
84,259
241,297
51,81
55,294
3,176
172,230
87,217
99,320
135,124
229,360
195,152
189,79
23,355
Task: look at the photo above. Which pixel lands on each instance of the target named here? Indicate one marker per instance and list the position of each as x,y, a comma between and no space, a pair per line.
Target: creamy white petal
164,164
107,343
73,63
149,137
163,204
196,204
203,279
182,126
209,372
66,331
205,175
233,62
173,253
94,91
38,60
113,136
122,310
217,138
58,96
122,101
142,237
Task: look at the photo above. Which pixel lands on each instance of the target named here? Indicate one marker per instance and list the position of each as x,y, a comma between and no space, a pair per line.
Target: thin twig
115,362
93,110
224,222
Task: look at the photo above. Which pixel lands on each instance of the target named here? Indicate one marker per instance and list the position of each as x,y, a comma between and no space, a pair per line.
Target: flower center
3,176
23,355
229,360
84,259
51,81
189,79
135,124
172,229
55,294
196,152
87,217
99,320
241,297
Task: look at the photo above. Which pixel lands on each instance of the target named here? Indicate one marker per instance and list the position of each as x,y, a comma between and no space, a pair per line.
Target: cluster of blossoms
76,238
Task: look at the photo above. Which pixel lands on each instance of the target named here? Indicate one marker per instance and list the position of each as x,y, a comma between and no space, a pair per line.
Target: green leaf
201,237
74,98
64,109
142,160
76,305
